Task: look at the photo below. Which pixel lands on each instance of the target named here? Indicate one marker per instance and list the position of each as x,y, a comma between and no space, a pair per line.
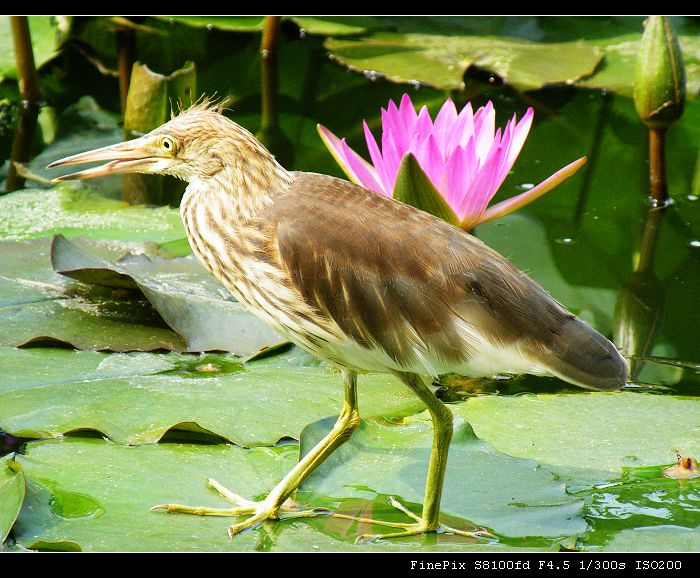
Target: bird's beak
126,157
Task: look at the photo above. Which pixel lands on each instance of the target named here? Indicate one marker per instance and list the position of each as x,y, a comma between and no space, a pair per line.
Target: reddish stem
657,165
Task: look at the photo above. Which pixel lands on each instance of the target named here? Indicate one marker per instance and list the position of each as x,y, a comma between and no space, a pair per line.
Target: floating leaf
37,305
618,69
11,494
510,496
336,25
43,32
441,61
137,398
107,489
587,438
230,23
91,493
77,210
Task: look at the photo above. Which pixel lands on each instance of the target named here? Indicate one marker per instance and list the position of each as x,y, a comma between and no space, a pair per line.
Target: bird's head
199,143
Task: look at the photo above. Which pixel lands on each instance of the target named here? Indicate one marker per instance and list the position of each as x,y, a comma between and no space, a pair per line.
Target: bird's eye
168,144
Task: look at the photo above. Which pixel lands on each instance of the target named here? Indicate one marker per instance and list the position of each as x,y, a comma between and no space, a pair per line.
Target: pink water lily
463,155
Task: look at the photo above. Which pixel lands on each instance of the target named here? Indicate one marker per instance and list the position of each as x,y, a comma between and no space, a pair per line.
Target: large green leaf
87,494
43,32
42,366
510,496
441,61
186,296
77,210
617,71
588,438
667,538
136,398
38,305
11,495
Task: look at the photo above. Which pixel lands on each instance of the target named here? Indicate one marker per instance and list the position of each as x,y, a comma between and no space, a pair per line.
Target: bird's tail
582,356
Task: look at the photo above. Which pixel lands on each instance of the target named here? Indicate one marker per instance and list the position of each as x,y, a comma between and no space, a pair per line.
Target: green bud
659,88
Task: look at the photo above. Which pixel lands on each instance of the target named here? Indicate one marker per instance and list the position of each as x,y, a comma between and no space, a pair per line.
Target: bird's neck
243,190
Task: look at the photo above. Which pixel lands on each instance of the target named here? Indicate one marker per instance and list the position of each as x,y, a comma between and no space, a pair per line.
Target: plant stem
268,53
126,45
30,94
652,228
657,165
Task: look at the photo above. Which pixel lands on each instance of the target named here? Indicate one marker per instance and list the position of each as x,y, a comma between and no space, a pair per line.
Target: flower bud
659,88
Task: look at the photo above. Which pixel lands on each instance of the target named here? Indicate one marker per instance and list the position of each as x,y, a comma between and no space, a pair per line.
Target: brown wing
375,265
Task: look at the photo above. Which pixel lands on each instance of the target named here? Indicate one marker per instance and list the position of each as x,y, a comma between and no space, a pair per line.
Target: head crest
212,103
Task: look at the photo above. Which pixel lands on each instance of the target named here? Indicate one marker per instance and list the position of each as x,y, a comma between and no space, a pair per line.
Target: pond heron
359,280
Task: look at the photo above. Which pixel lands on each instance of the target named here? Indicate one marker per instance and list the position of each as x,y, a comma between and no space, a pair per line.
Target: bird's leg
428,521
272,507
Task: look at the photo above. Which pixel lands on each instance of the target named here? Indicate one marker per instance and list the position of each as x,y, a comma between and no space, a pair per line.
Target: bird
362,281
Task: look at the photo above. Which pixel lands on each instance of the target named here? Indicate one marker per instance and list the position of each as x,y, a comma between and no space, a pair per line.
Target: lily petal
514,203
358,170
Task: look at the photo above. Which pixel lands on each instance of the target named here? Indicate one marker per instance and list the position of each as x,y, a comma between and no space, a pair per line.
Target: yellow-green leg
429,521
270,507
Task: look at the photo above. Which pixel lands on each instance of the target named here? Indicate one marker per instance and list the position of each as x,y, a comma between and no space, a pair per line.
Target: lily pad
137,398
441,61
11,496
510,496
190,300
588,438
336,25
91,493
230,23
43,32
41,306
88,494
78,210
617,72
668,538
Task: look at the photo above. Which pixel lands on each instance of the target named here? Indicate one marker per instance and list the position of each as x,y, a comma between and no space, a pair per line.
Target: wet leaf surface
39,306
11,495
441,61
137,398
88,493
587,438
78,210
509,496
644,499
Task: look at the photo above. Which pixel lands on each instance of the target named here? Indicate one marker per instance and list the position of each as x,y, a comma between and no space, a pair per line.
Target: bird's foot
419,526
257,512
